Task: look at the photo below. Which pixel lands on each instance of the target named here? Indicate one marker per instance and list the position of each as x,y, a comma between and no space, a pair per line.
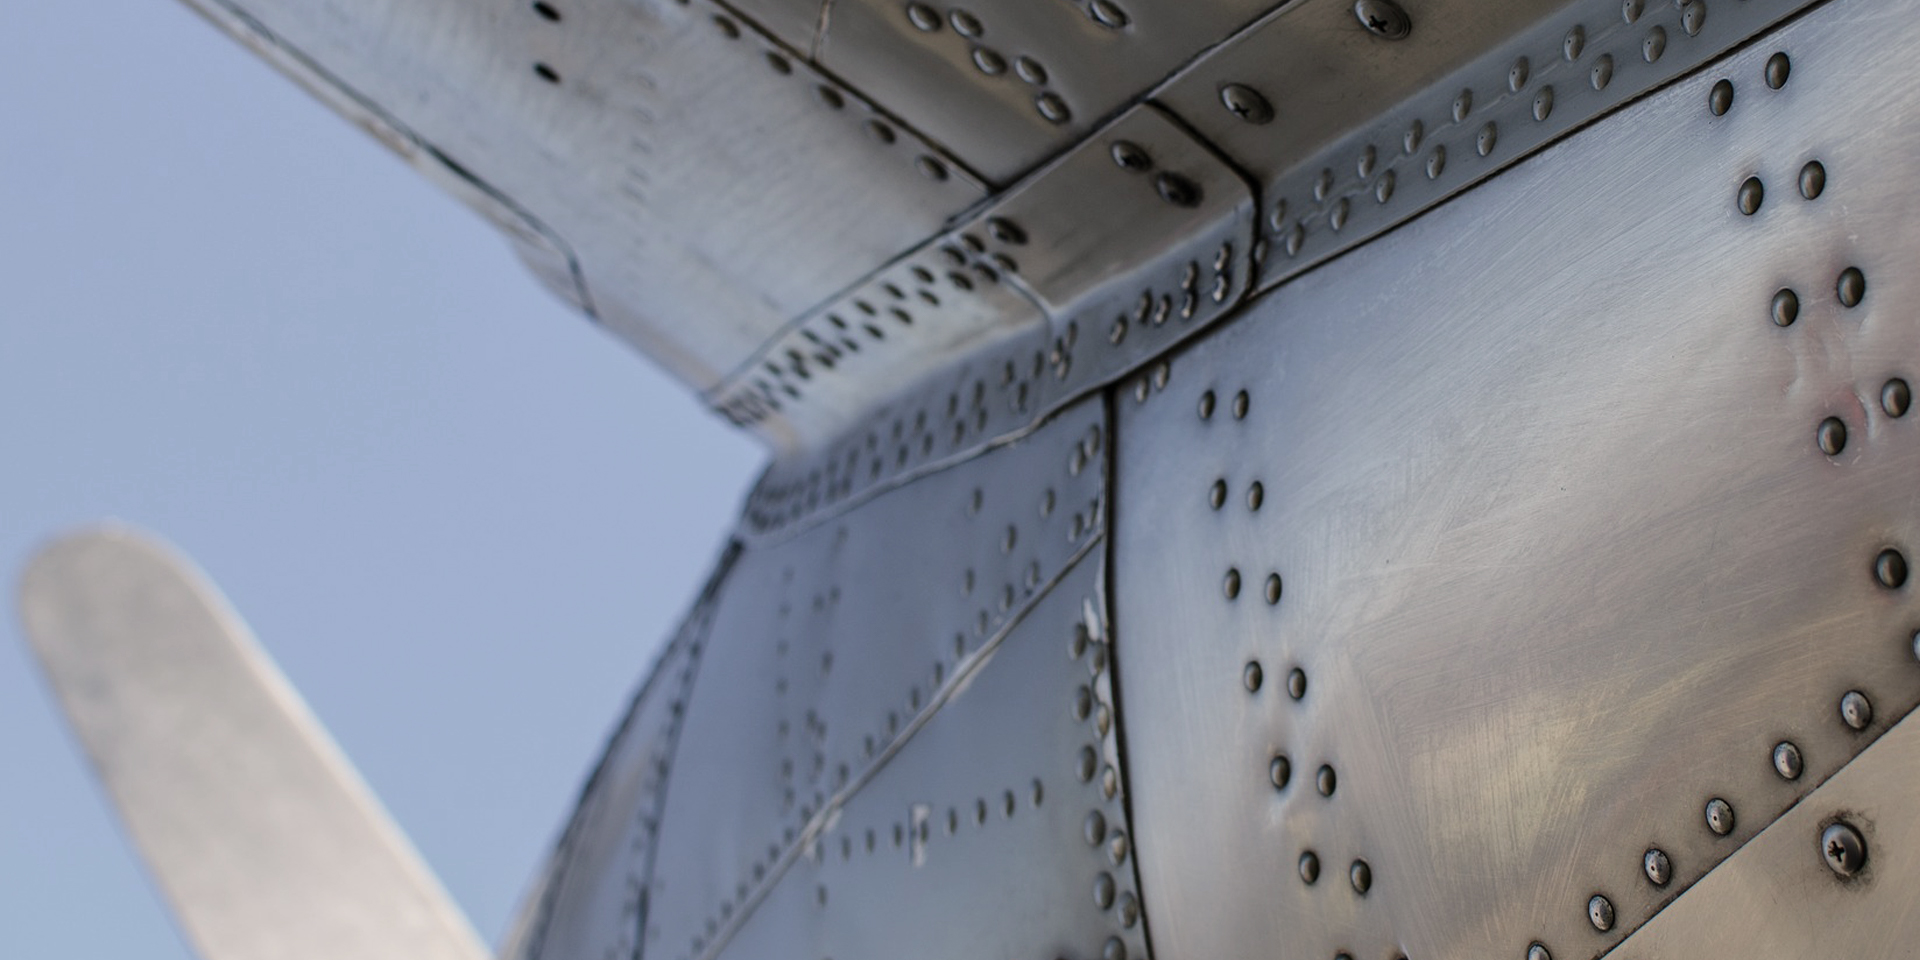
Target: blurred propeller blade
264,839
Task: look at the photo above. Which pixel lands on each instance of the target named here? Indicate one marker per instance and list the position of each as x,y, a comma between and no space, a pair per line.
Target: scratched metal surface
1007,84
708,184
1778,898
998,829
1557,548
829,646
589,901
1080,274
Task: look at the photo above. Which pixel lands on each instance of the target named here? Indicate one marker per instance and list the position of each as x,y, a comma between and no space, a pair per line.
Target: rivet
1361,876
1489,136
1538,951
1751,194
1240,403
1129,910
1082,703
727,27
1543,103
1844,849
1600,913
1720,98
1383,191
989,61
1088,764
1309,867
1325,781
1280,771
1383,19
778,63
1851,287
1462,105
1078,645
1128,155
1030,70
1297,683
1916,644
1693,16
934,170
923,17
1338,218
1832,436
1295,237
965,24
1103,891
1108,14
1574,44
1630,10
1890,568
1786,307
1095,828
1231,586
1052,108
1177,190
1655,44
880,132
1109,782
1364,166
1602,72
1246,103
1517,75
1117,848
1895,397
1410,143
1273,589
1217,494
1778,67
831,98
1856,711
1114,950
1786,760
1006,231
1658,868
1436,162
1252,676
1719,816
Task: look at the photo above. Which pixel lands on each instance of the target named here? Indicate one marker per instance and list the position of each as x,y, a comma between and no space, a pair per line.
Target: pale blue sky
461,517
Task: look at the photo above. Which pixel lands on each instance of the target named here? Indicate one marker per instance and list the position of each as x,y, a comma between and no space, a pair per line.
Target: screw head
1383,19
1177,190
1844,849
1095,829
1600,913
1786,760
1719,816
1246,103
1659,869
1890,568
1856,710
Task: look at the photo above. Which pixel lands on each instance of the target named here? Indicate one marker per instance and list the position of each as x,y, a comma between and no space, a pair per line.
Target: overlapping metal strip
1467,574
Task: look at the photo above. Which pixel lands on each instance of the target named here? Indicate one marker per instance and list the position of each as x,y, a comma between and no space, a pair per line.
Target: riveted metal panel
1069,281
589,903
830,645
1360,132
1007,84
1545,496
1778,897
998,829
706,183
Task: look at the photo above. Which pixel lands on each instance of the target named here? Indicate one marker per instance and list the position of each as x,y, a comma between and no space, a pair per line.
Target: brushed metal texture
1367,132
1560,555
692,180
1007,84
1777,897
831,645
973,838
1069,281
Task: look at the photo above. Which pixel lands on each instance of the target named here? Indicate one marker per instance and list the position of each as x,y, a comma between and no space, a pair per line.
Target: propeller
264,840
